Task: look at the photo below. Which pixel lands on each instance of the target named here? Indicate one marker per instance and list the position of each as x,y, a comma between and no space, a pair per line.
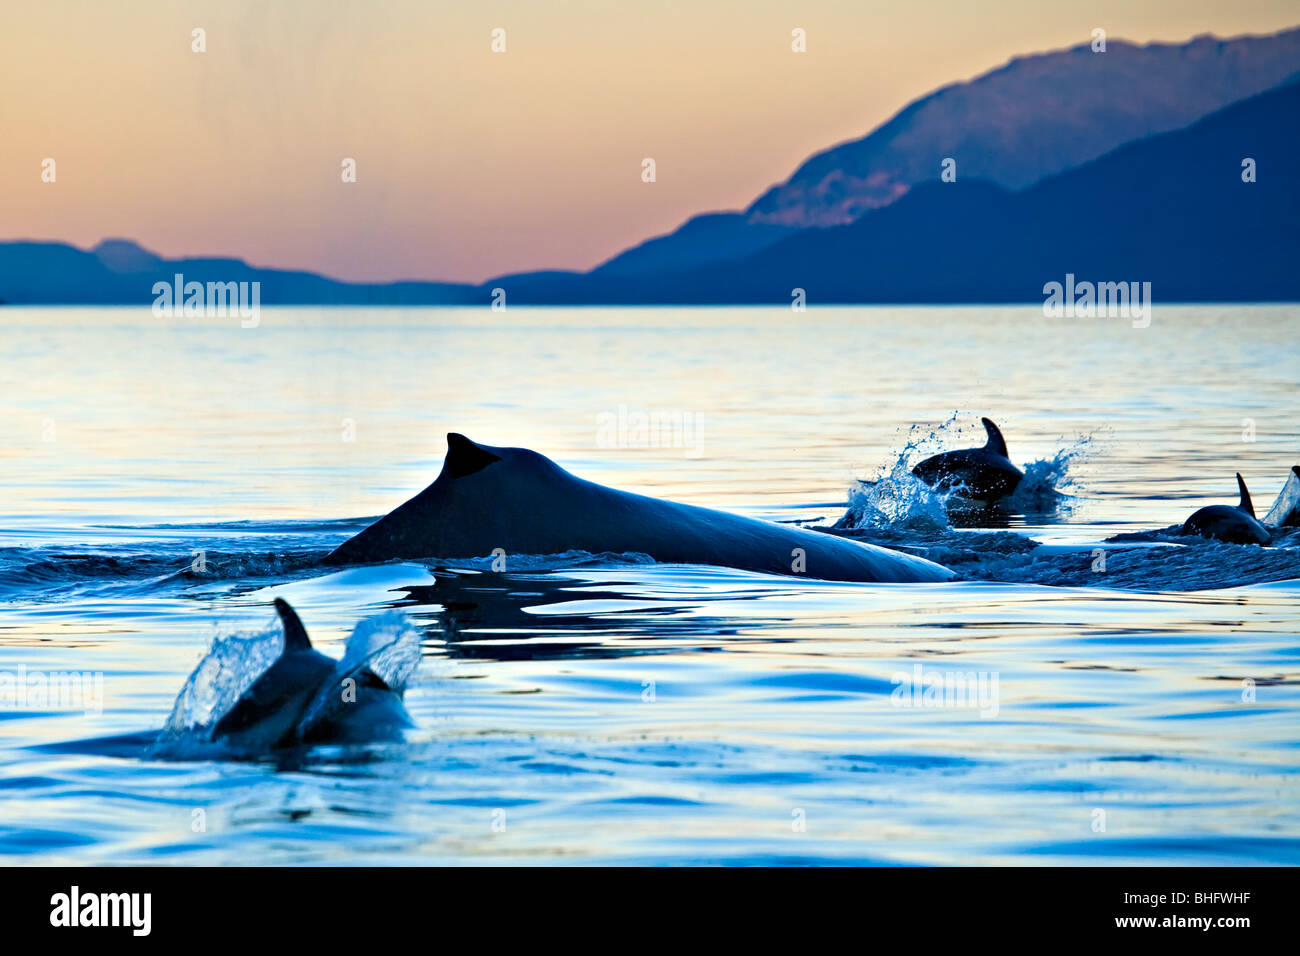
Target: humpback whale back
520,502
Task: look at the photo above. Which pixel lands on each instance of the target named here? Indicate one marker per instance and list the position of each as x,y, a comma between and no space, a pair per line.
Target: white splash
898,500
387,644
231,666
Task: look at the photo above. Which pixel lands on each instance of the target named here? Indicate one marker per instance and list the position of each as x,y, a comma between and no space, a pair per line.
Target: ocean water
162,480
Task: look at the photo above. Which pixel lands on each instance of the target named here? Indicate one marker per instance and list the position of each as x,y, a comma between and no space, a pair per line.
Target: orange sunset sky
472,163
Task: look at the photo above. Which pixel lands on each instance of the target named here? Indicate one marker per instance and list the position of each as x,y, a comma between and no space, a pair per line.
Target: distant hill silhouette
118,271
1034,117
712,237
1172,210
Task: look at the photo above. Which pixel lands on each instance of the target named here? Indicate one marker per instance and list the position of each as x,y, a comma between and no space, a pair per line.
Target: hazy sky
471,163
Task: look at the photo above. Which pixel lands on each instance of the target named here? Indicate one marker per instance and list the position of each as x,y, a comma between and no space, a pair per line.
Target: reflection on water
603,710
542,616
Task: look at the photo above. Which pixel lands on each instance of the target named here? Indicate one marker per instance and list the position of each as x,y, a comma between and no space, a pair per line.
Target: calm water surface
577,711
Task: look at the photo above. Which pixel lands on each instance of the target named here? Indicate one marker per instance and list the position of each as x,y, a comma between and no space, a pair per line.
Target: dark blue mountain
119,272
1013,126
1172,210
713,237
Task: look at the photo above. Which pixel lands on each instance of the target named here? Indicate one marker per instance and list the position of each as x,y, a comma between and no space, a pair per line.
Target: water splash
1048,484
231,666
388,645
897,499
1287,506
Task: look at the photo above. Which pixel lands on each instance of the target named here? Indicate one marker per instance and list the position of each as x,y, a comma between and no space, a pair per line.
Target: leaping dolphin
1285,512
1233,524
981,474
488,498
306,698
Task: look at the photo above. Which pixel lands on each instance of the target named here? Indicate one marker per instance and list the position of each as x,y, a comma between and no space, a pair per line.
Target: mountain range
1035,116
1118,166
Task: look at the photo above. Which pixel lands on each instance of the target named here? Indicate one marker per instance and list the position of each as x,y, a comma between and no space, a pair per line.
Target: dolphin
981,474
489,500
1234,524
1285,512
305,698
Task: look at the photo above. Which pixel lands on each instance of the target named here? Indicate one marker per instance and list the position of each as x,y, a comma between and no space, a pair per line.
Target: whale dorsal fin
1244,504
996,443
464,457
295,635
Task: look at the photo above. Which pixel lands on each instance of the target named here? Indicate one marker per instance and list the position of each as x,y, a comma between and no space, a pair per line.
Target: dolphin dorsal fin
295,635
1244,504
996,443
464,457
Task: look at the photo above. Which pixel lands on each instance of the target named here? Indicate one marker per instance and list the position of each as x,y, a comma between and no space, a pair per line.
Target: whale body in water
489,500
308,698
1234,524
981,474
